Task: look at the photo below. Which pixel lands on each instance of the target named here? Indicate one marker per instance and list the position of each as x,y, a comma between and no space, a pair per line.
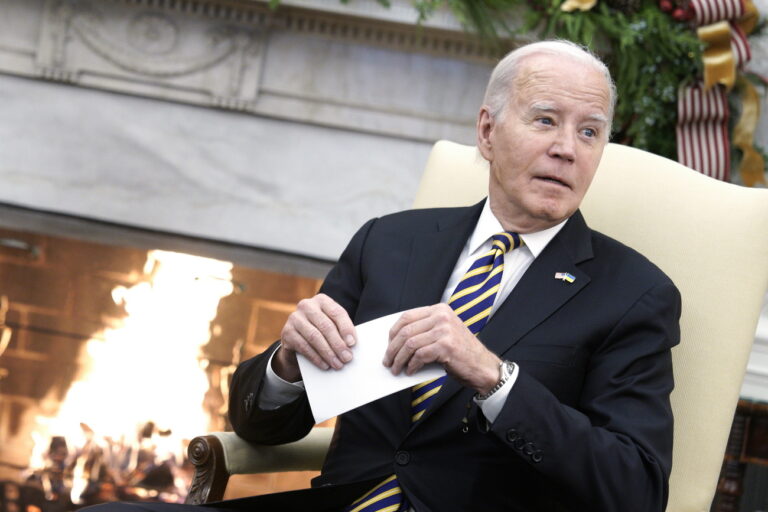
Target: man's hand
319,329
434,334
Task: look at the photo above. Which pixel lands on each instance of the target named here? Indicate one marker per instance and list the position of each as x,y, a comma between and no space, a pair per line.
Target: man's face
545,146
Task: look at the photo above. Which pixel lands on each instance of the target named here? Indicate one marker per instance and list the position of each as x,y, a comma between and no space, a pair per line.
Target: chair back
710,238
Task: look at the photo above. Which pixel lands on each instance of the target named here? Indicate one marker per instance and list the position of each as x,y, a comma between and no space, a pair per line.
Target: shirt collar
488,225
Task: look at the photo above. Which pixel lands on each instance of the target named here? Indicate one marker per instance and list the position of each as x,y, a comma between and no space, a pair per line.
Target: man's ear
485,125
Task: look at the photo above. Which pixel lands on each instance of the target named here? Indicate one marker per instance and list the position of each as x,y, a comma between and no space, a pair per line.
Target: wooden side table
747,444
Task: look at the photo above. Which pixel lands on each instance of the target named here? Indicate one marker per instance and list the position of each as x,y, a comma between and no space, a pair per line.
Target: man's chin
549,216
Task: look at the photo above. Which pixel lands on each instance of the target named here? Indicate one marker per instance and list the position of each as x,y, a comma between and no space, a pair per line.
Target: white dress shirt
277,392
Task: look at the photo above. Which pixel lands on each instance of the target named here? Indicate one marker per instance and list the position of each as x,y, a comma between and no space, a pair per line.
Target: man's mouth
554,180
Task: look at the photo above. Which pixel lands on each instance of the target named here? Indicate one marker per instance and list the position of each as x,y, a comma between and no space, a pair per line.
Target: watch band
506,369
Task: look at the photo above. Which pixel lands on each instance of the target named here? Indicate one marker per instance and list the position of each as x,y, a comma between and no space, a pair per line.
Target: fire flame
149,369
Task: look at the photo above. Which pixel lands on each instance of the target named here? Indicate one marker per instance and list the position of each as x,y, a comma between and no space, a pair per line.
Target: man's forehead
552,63
543,79
553,68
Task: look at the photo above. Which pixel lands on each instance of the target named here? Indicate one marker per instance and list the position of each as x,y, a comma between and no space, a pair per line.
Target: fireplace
114,357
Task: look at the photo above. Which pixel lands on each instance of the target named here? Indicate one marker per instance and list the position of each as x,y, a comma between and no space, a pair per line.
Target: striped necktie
472,300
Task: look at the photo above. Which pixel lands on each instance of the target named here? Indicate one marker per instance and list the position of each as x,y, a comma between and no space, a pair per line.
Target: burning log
105,469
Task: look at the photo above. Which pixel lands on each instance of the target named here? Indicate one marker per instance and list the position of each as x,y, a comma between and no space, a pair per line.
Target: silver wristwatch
506,369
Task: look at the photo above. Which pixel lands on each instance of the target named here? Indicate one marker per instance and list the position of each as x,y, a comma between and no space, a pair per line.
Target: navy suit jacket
587,425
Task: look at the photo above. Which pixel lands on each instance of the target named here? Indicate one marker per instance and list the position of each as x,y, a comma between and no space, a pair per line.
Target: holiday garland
657,53
651,47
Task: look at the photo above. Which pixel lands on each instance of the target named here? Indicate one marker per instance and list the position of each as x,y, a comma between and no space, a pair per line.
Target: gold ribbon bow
752,167
719,63
749,20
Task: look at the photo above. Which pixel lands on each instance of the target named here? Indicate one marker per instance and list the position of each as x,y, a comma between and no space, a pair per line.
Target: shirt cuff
277,392
491,406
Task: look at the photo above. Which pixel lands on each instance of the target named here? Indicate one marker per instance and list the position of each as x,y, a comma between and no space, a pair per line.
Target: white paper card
362,380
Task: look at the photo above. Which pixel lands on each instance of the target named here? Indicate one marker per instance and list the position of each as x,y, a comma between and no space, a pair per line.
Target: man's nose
563,146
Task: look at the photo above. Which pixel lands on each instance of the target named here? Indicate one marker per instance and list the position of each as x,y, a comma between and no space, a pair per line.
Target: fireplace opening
113,358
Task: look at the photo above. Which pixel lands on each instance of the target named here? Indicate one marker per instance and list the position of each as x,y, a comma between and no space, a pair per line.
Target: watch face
506,369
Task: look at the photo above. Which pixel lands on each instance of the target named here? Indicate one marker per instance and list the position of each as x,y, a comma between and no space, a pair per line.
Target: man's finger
292,340
312,336
411,326
408,317
424,355
329,336
413,344
310,353
340,317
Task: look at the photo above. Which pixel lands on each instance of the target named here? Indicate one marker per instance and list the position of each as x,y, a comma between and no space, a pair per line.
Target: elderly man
555,338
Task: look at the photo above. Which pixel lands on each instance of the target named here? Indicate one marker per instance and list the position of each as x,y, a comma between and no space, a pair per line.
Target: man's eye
589,132
546,120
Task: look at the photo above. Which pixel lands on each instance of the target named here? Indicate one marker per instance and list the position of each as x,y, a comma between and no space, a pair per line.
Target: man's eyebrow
544,107
550,107
600,118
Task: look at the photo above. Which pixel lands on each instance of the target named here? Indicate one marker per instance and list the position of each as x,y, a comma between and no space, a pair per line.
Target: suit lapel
537,296
434,255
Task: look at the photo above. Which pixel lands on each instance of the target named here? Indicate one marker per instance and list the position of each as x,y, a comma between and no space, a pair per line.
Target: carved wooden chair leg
211,476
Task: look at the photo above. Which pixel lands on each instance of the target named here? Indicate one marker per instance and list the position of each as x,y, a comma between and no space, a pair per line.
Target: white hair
500,85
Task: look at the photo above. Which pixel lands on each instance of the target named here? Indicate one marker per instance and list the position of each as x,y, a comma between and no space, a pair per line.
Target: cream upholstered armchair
711,238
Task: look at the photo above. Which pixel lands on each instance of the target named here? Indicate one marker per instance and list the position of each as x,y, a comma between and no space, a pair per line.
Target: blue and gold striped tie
472,300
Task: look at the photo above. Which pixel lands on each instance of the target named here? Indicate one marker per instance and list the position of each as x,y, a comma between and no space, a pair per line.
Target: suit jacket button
512,435
536,457
528,449
518,443
402,458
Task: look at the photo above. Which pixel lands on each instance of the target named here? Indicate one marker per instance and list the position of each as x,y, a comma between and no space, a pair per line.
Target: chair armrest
218,455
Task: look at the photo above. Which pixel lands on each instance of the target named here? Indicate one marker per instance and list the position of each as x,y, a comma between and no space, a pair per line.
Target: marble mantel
320,120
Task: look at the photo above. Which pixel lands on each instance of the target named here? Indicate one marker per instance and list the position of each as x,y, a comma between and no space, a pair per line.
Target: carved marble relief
149,51
53,40
302,65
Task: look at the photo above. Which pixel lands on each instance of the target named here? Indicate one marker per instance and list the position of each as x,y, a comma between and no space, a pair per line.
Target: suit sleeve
294,420
615,451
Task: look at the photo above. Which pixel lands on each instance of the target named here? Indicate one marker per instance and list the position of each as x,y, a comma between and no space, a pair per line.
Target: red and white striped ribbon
706,12
702,130
702,116
740,46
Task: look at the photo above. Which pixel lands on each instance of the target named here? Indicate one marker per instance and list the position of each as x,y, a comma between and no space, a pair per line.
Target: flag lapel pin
565,276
